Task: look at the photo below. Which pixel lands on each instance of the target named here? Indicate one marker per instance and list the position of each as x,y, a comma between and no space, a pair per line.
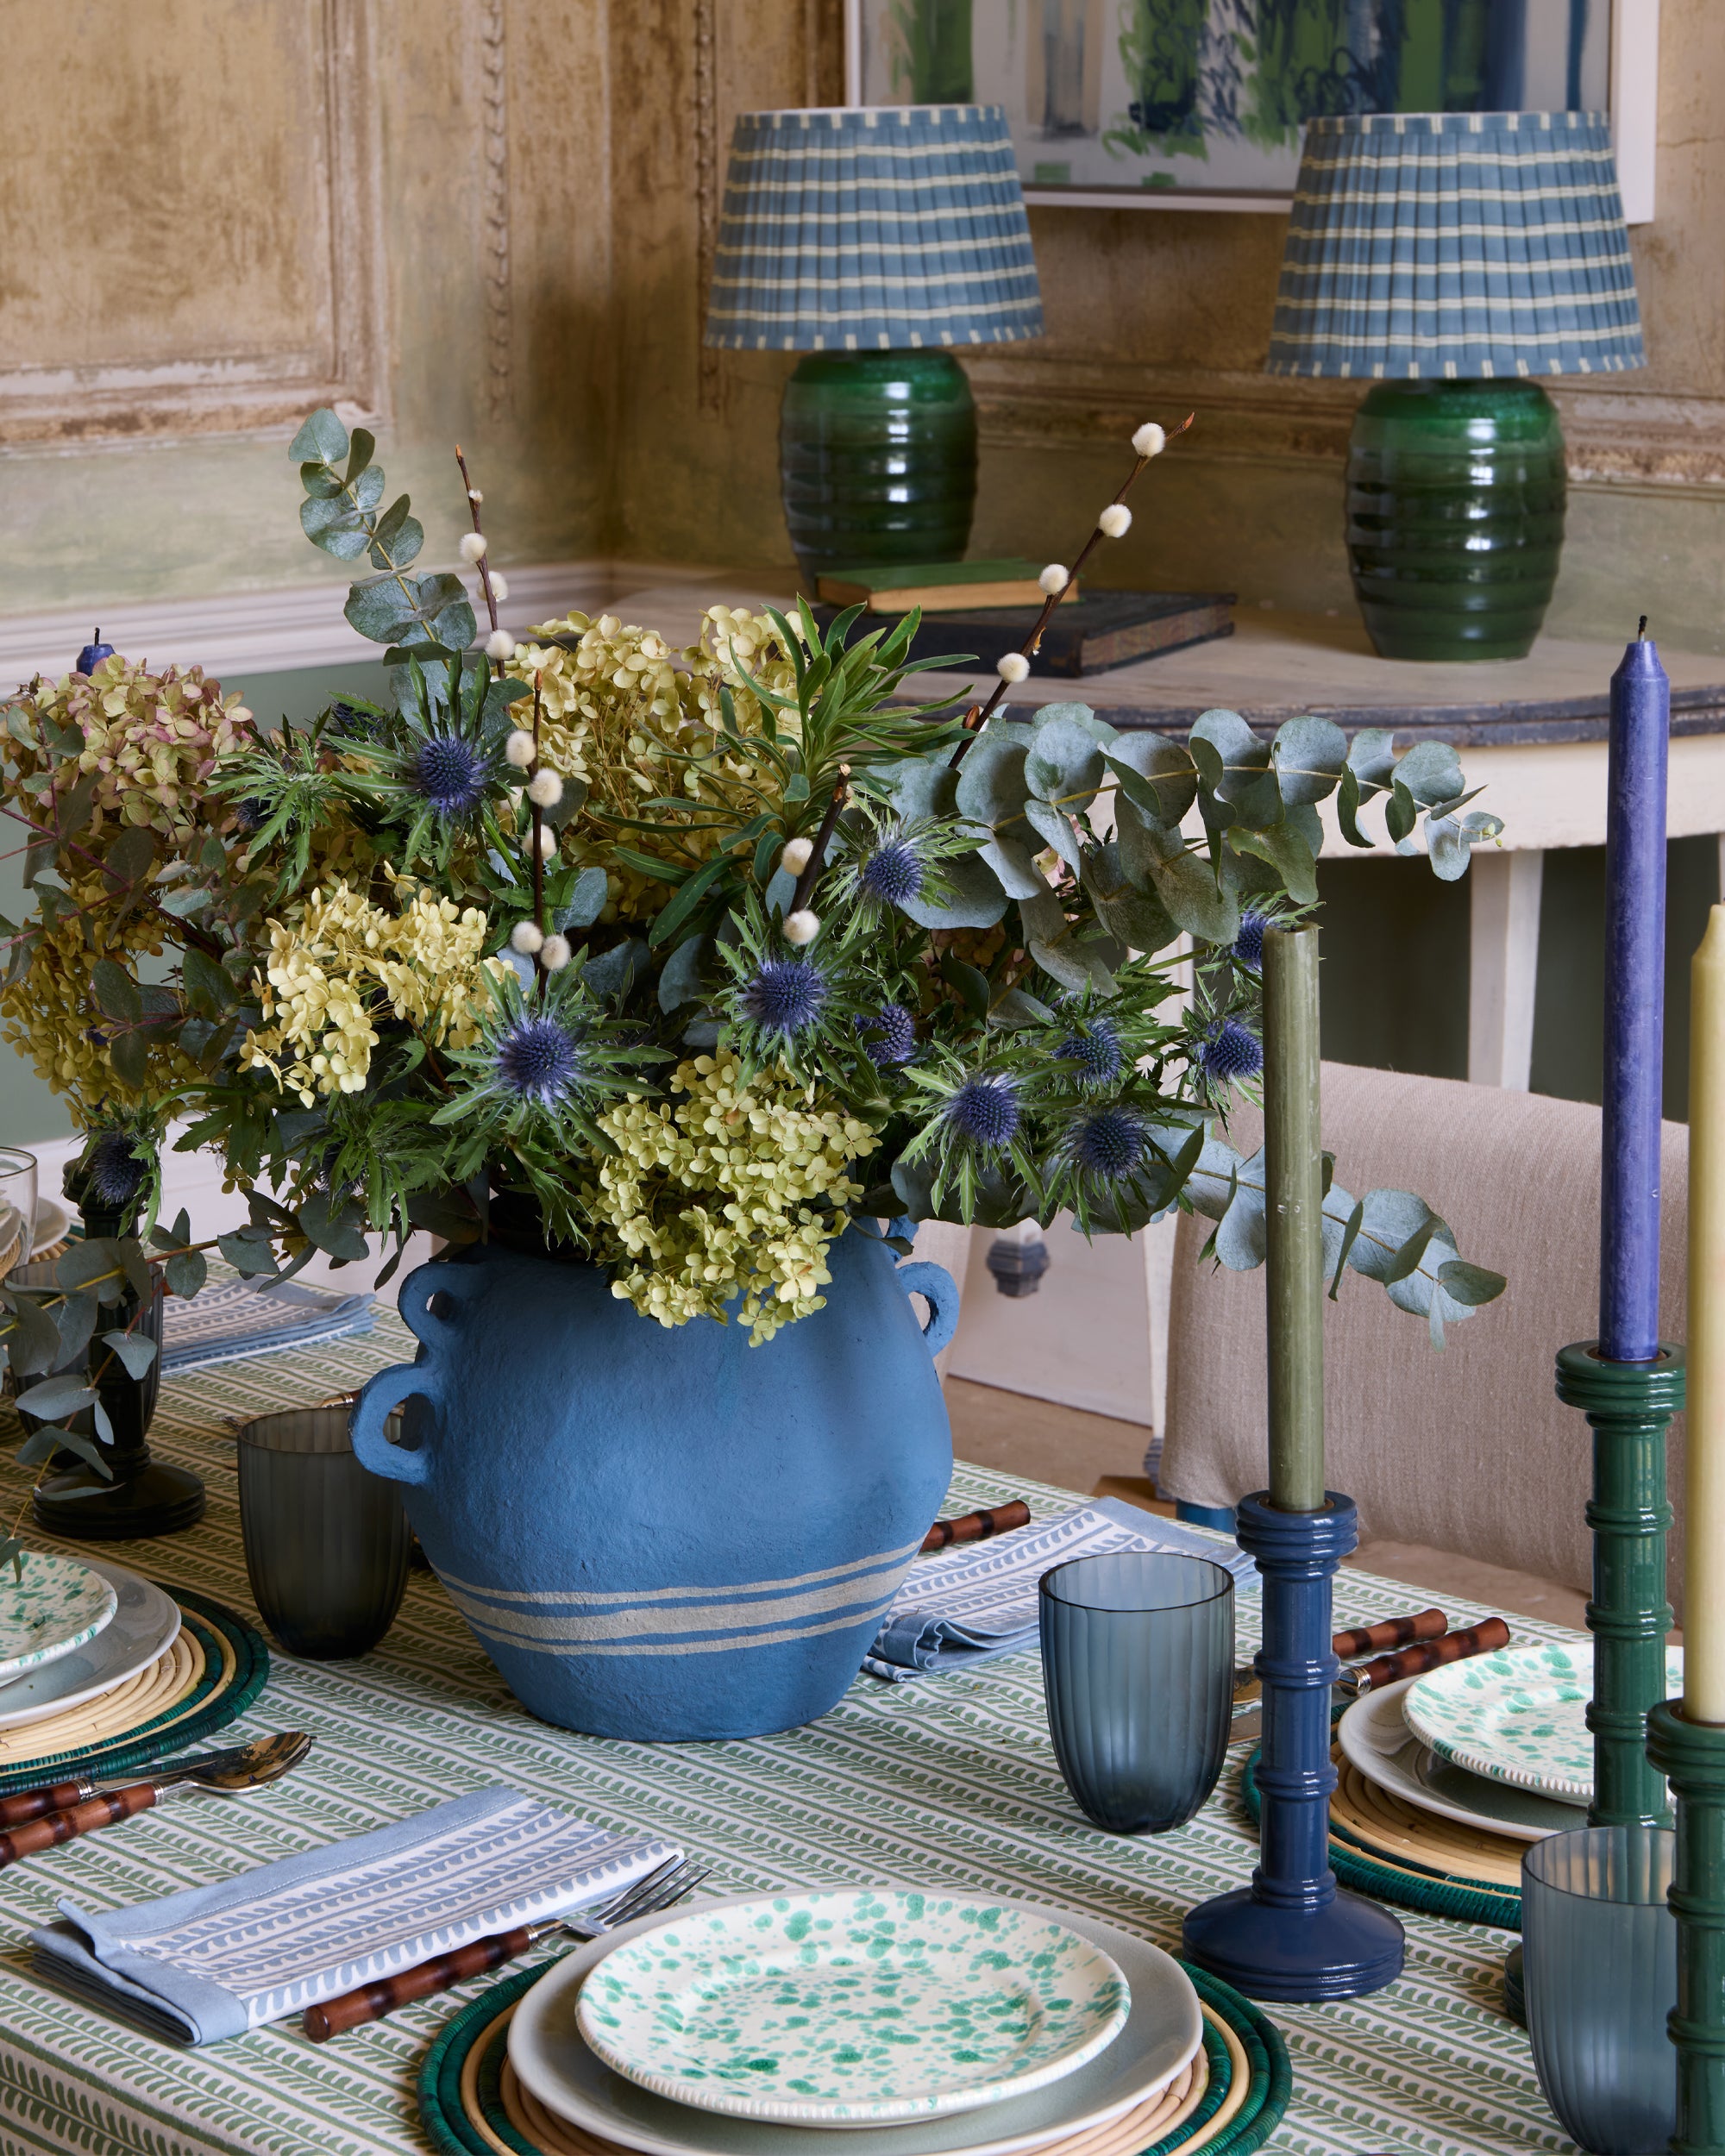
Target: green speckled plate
1518,1716
852,2008
56,1607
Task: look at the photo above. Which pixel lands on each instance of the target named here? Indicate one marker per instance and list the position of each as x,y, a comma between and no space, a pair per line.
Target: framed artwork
1200,104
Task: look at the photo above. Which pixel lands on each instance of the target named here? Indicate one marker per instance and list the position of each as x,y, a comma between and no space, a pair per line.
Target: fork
662,1889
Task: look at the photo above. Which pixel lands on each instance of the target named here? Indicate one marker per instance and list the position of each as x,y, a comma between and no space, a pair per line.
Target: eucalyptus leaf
186,1273
1309,755
1196,903
1063,764
132,1351
336,1230
680,980
1288,854
974,900
586,902
1073,965
1371,758
1431,772
323,438
921,788
1055,829
56,1396
1242,1233
1157,775
115,992
34,1342
1013,864
130,1055
614,972
992,786
247,1254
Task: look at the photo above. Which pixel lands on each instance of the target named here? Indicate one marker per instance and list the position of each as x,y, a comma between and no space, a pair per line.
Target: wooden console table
1533,734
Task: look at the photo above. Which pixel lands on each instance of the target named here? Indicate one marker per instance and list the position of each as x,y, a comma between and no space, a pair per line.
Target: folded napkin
968,1605
216,1961
232,1318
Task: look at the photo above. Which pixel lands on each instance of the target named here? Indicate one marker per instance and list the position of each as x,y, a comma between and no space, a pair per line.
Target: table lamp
874,240
1447,258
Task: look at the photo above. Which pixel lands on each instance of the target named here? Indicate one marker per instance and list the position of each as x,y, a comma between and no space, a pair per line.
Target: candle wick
1642,630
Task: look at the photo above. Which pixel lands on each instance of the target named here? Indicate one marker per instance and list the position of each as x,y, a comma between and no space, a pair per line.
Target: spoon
228,1773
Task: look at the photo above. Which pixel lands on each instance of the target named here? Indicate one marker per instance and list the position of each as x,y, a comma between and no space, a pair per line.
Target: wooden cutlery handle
48,1832
1454,1647
371,2001
978,1526
32,1803
1393,1632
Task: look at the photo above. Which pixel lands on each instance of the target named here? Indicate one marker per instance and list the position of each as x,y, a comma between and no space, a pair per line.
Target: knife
61,1797
1371,1677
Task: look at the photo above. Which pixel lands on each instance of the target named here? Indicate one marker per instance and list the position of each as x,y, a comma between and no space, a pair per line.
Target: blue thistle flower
1109,1144
895,1035
1232,1051
449,773
986,1111
1248,946
893,872
539,1060
786,995
1097,1054
112,1171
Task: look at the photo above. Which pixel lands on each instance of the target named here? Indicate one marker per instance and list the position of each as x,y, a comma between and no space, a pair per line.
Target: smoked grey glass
327,1544
1599,1971
1137,1657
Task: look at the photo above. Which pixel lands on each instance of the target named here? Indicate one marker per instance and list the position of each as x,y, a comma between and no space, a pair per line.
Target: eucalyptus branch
184,931
979,714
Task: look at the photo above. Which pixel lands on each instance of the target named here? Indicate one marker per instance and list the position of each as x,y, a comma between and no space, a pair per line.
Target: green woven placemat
219,1697
1408,1885
452,2132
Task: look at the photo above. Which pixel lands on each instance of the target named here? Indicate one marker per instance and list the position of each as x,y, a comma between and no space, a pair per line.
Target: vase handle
940,1292
367,1426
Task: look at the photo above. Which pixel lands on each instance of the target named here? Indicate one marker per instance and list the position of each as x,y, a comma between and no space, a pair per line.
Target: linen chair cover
1469,1449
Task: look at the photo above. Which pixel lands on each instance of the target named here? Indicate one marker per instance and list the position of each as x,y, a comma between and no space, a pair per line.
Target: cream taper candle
1704,1565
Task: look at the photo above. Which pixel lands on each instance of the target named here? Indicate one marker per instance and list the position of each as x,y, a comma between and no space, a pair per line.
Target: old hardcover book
1093,633
939,588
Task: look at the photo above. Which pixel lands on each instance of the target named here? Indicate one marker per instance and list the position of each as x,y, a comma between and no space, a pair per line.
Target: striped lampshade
871,229
1444,244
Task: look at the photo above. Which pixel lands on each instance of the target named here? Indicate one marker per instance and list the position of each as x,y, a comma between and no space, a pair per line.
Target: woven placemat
1227,2104
212,1673
1382,1846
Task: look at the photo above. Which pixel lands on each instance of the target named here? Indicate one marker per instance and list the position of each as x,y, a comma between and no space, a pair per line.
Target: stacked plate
876,2022
1499,1744
85,1647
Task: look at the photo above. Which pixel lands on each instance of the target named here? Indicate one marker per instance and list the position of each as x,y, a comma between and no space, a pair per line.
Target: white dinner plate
52,1222
49,1609
144,1625
1164,2029
853,2006
1375,1738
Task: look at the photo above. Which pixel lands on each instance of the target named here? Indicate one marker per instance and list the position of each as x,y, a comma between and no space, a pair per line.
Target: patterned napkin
232,1318
963,1606
216,1961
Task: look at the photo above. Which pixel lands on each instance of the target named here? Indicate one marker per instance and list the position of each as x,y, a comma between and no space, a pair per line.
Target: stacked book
977,611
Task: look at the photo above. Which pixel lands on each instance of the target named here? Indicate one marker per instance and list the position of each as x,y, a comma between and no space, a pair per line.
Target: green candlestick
1693,1755
1294,1184
1629,1406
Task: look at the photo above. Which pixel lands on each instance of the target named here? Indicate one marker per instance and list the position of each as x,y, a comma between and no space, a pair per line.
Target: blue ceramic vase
667,1534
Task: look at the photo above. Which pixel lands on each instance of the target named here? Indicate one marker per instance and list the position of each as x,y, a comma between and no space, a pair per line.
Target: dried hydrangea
335,968
636,720
730,1189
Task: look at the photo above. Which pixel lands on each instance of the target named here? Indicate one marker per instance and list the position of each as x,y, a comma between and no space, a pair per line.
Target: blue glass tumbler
1138,1658
1599,1970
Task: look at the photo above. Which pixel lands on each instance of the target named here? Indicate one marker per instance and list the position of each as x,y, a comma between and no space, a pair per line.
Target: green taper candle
1294,1186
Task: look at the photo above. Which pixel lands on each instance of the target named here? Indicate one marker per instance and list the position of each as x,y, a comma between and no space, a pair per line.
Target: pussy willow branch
823,839
484,559
539,826
979,714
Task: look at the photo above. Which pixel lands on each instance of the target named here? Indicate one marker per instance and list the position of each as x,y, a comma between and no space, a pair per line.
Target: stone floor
1054,1443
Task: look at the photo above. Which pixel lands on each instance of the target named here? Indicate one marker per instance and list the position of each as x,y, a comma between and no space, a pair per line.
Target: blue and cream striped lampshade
873,229
1457,244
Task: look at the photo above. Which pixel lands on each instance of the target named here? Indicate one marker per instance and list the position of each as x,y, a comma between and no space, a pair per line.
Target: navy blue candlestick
1635,1007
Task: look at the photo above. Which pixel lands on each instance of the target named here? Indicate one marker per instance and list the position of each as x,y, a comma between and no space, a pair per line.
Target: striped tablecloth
949,1778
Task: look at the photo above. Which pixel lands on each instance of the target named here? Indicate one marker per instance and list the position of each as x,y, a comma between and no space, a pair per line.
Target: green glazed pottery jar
1455,517
877,459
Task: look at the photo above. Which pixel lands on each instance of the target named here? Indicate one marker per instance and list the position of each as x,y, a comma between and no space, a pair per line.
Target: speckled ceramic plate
55,1608
1518,1716
1374,1737
853,2009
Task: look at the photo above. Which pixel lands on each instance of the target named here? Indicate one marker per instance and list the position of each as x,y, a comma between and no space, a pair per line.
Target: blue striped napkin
232,1318
963,1606
216,1961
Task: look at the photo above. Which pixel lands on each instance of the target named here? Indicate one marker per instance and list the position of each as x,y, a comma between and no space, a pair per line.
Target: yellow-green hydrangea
331,969
730,1189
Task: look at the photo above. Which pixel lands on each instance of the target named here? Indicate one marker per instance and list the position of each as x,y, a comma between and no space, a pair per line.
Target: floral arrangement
680,961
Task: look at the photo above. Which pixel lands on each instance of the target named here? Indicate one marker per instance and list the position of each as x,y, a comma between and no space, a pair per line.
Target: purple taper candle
1634,1006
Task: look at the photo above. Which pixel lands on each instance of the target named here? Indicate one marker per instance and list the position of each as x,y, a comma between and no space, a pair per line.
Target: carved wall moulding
236,282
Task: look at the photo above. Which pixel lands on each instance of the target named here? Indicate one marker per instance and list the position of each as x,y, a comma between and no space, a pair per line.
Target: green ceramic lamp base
877,459
1455,517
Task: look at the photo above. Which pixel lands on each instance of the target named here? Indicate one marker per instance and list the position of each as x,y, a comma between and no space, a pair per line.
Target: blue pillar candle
1635,1007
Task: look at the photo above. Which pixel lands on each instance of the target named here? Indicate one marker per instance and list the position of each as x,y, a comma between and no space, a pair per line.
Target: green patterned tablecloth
950,1778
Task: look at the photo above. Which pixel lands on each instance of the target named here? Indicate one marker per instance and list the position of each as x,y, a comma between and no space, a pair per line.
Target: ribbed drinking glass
1599,1971
327,1545
17,1208
1137,1657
